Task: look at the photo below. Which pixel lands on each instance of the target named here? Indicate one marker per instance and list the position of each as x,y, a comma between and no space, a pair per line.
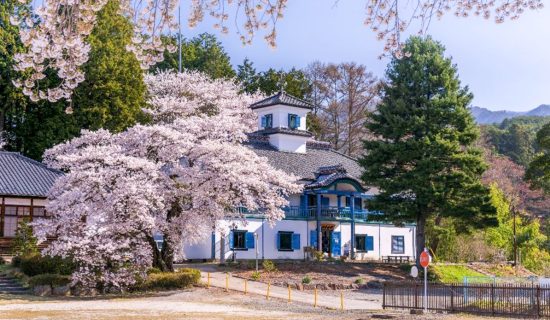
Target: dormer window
293,121
267,121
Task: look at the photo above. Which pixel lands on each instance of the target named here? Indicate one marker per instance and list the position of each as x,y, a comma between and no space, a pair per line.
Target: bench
397,259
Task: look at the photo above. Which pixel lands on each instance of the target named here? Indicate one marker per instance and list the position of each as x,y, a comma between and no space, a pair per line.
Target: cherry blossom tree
58,41
176,176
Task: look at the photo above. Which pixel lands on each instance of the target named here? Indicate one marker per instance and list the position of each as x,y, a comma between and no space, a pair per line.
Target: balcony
327,213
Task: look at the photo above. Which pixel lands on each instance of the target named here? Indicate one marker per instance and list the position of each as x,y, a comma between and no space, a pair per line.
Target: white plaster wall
199,250
387,231
288,143
17,201
280,115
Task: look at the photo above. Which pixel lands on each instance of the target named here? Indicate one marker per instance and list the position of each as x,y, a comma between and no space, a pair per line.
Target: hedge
54,280
182,278
36,264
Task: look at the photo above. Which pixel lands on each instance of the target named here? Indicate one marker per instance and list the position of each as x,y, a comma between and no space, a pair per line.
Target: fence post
452,297
384,296
538,301
493,299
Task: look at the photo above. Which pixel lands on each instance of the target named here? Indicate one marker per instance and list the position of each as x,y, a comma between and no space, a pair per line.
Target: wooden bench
397,259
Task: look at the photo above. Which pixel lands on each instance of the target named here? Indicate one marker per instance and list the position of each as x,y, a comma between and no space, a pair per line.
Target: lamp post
256,246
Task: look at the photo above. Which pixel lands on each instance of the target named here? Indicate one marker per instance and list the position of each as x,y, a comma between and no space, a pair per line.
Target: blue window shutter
335,243
297,121
289,124
231,245
249,240
264,122
369,243
296,241
313,238
278,239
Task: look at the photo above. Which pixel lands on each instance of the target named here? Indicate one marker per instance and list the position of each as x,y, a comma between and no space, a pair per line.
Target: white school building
330,215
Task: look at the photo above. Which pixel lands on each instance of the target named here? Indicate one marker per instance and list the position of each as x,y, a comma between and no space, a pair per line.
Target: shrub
24,243
269,266
2,260
183,278
36,264
16,261
154,270
306,280
318,255
54,280
256,276
359,281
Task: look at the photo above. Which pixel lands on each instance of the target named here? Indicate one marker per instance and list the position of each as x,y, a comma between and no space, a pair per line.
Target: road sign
414,272
425,259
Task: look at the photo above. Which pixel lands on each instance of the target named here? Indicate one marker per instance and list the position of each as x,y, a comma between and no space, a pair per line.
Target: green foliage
202,53
359,281
153,270
36,264
182,278
318,255
256,275
424,163
516,137
269,82
16,261
113,93
269,266
24,243
452,273
538,172
54,280
306,279
2,261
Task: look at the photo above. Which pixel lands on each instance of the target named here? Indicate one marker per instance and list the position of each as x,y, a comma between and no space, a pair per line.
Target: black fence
527,301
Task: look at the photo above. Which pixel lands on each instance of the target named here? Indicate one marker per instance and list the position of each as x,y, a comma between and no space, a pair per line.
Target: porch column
318,214
352,241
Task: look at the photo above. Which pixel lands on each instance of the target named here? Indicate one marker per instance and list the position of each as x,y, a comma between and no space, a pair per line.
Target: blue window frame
241,240
397,244
293,121
288,241
364,243
267,121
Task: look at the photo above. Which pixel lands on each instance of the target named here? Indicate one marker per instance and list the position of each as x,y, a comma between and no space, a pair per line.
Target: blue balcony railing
327,213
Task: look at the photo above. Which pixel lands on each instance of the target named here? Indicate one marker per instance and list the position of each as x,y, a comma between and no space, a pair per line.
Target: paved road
324,299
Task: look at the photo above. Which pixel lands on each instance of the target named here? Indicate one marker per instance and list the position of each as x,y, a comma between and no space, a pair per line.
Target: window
239,239
267,121
285,241
14,214
364,242
293,121
397,244
288,241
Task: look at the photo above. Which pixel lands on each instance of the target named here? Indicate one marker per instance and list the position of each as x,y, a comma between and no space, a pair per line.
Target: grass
452,273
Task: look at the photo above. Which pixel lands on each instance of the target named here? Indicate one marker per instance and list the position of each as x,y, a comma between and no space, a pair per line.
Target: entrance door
327,236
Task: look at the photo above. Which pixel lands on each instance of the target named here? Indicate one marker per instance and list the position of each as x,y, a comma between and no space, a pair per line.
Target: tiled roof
284,99
293,132
306,165
21,176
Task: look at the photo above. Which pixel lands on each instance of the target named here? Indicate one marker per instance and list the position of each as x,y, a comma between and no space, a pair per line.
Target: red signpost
425,260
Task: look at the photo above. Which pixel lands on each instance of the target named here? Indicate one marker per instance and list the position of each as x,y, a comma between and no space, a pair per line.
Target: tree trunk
434,243
158,262
420,236
167,255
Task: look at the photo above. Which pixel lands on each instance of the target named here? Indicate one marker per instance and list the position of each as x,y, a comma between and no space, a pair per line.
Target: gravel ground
198,303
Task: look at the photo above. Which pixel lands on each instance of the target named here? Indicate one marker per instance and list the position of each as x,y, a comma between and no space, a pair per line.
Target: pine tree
423,161
538,172
113,93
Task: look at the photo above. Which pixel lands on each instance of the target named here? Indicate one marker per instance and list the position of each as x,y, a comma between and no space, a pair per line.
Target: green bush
24,243
182,278
2,261
318,255
269,266
16,261
256,276
154,270
306,280
54,280
359,281
36,264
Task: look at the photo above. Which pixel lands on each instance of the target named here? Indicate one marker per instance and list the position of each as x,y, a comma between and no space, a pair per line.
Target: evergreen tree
538,172
113,93
423,161
202,53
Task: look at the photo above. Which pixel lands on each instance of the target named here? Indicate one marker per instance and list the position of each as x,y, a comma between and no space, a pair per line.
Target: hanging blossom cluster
176,176
389,18
55,35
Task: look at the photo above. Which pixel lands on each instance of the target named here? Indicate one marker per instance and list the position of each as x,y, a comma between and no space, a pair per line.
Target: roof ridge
299,99
343,154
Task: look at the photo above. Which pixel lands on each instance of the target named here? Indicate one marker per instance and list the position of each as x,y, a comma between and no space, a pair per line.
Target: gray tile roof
306,165
21,176
284,99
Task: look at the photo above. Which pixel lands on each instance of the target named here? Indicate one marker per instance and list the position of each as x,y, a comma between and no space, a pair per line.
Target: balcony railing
327,213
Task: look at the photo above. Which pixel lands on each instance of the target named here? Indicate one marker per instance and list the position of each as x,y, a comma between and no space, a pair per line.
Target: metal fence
522,300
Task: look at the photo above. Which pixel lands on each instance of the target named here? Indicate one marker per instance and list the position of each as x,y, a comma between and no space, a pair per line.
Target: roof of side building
22,176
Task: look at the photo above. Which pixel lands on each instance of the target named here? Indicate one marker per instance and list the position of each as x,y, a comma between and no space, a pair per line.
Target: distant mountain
486,116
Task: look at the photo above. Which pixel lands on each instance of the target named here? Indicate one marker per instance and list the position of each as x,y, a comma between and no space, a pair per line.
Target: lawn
452,273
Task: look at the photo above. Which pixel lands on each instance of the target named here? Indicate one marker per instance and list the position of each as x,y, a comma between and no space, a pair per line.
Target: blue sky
506,66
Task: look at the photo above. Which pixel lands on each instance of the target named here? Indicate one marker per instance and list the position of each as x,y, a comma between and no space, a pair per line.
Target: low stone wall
63,291
331,286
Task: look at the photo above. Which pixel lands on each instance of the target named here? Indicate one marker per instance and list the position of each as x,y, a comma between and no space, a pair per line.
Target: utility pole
179,39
